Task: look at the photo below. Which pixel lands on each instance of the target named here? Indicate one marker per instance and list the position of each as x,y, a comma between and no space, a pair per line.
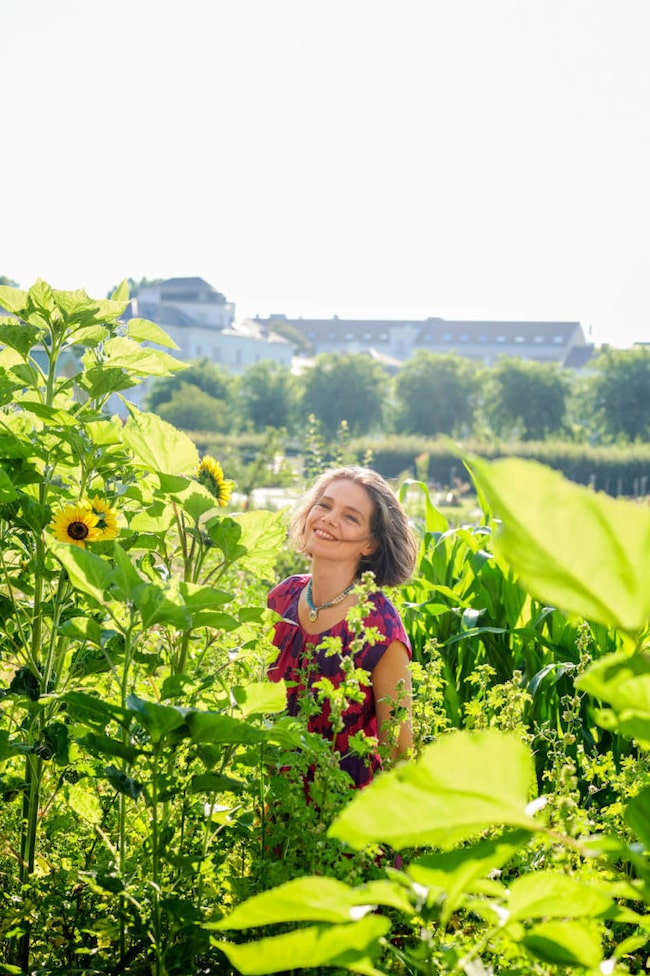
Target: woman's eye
353,518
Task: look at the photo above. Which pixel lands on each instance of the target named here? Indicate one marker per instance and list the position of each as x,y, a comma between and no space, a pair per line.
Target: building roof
432,331
193,282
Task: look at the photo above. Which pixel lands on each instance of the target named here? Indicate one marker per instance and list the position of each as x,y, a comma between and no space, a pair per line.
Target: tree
200,373
190,408
434,394
267,396
526,399
617,397
345,387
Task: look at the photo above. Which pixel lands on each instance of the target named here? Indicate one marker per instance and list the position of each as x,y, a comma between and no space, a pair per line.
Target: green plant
472,796
129,666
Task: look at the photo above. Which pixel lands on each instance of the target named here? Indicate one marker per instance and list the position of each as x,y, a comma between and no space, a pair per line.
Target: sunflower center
77,530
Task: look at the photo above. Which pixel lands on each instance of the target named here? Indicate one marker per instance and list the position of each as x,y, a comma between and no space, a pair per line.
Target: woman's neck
330,579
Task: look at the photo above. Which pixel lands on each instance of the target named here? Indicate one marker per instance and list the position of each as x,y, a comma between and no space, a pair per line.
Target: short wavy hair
395,552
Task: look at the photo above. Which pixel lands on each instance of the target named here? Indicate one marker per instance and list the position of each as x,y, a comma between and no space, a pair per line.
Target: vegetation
153,814
527,399
435,394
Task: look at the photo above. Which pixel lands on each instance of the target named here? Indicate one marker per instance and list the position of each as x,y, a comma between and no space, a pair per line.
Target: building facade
563,343
202,324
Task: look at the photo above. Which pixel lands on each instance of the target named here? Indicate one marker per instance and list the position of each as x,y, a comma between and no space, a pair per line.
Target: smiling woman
349,524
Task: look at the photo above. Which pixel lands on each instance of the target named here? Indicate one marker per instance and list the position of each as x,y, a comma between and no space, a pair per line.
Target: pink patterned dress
292,642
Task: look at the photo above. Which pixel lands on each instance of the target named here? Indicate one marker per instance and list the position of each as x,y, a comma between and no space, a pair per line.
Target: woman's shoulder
385,616
288,588
382,605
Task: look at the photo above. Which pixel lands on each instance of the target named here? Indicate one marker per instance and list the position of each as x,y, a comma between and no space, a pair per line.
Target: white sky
391,158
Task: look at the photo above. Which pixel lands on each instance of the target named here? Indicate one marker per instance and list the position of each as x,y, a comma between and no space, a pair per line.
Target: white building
202,324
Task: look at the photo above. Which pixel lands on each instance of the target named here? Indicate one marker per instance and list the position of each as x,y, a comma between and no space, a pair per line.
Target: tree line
429,395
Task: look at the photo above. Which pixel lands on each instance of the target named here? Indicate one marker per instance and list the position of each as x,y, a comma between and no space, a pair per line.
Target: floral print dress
293,658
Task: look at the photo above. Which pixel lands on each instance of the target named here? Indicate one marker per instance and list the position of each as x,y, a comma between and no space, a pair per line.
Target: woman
348,524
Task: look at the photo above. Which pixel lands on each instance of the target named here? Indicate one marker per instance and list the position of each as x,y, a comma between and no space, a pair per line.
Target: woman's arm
391,685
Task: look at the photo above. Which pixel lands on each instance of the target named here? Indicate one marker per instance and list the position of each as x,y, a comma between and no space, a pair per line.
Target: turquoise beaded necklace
315,610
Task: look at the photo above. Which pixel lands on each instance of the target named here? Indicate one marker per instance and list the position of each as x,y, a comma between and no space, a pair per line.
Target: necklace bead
315,610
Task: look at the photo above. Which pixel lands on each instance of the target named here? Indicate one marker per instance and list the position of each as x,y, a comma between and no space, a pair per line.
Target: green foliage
267,396
616,469
200,373
525,399
159,812
191,409
348,388
435,394
616,395
484,896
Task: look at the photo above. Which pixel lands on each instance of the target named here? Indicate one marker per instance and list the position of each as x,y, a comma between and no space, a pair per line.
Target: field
154,818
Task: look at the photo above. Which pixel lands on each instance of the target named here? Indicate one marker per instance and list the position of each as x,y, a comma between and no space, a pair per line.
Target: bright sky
386,158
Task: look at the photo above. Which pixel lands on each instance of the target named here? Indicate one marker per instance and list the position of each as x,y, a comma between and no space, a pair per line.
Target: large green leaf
548,894
461,785
353,947
564,943
434,520
263,535
100,380
85,803
162,604
90,710
455,873
261,698
20,337
142,330
157,445
211,727
126,354
88,572
637,816
623,681
582,551
158,720
312,899
12,299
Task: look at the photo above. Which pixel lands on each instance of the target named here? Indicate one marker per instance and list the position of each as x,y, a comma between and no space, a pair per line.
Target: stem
155,866
33,772
122,806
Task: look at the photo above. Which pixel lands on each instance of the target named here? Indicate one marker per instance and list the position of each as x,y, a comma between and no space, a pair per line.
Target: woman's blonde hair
395,552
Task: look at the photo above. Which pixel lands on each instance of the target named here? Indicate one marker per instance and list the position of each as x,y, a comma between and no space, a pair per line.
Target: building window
501,338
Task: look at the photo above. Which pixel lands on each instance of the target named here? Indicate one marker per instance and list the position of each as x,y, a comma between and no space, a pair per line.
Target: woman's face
338,524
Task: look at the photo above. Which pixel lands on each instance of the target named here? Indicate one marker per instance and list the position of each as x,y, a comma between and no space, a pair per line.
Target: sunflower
76,524
210,474
107,526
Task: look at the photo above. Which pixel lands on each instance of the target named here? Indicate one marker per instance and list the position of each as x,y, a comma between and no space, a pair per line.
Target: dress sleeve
386,620
287,635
